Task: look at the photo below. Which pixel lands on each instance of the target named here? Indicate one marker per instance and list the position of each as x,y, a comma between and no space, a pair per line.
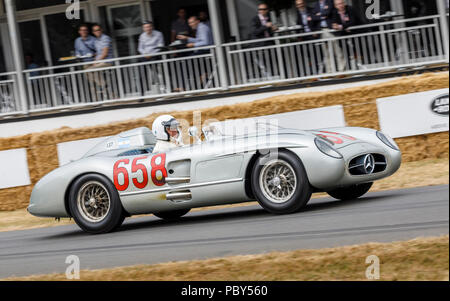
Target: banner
318,118
414,114
14,168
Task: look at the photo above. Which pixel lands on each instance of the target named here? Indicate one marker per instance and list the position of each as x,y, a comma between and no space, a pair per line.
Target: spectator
203,36
30,64
323,20
304,17
103,46
85,44
204,18
322,14
307,60
415,9
261,25
343,17
180,25
150,40
104,51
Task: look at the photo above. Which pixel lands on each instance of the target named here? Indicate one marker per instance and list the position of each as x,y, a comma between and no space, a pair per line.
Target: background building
34,35
46,33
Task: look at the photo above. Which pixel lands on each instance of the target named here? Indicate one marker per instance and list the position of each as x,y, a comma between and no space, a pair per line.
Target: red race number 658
158,172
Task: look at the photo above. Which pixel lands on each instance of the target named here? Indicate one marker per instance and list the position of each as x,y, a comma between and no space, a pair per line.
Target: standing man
203,36
31,64
304,18
103,50
343,18
150,40
323,19
204,18
261,25
180,26
307,60
85,44
322,14
103,46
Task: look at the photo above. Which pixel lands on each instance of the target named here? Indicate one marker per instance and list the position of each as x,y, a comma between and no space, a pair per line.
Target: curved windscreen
136,152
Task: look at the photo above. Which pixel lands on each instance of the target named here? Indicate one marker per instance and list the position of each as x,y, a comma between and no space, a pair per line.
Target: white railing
122,79
368,48
8,94
374,47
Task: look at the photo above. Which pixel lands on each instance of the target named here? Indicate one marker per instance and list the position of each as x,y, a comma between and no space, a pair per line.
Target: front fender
49,194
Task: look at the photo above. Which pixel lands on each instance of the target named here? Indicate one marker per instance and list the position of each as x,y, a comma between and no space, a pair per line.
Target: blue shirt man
150,40
203,36
103,44
85,44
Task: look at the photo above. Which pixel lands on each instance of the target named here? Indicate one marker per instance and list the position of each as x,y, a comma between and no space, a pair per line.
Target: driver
167,133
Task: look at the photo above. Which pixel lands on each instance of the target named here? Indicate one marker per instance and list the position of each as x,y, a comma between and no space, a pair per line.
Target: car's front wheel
172,215
95,204
280,183
350,192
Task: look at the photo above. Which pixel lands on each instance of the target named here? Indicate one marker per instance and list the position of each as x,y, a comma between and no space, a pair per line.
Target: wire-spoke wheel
93,201
280,183
95,204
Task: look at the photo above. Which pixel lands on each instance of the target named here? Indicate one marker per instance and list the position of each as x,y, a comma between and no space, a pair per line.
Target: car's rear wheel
172,215
95,204
280,183
350,192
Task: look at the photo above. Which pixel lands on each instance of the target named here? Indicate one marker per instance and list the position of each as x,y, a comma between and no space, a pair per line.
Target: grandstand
394,41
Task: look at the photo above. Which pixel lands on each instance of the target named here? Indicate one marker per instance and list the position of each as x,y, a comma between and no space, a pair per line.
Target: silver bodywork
210,173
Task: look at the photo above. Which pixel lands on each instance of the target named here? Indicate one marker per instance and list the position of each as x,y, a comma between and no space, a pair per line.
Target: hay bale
14,198
359,109
15,142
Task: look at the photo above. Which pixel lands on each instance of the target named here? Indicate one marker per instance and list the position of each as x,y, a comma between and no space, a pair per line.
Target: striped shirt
101,43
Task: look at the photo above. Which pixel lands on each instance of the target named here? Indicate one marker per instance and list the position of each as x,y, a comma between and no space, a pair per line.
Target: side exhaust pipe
179,196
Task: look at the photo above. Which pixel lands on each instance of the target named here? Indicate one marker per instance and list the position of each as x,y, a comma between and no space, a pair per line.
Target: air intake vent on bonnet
367,164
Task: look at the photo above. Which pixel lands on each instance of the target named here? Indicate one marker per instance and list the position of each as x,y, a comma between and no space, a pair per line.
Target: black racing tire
350,192
97,214
172,215
296,191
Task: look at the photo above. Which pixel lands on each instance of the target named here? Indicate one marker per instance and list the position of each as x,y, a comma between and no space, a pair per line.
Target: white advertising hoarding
325,117
14,168
318,118
414,114
74,150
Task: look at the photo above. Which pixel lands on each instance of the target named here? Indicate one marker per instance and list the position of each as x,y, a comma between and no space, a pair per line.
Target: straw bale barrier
359,108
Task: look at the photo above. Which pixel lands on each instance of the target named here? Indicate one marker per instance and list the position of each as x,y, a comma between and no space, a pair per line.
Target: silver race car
278,167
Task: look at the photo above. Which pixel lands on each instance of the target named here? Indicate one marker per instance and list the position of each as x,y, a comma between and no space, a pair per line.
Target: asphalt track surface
378,216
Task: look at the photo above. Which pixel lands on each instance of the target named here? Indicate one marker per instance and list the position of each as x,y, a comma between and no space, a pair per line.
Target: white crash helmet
161,124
